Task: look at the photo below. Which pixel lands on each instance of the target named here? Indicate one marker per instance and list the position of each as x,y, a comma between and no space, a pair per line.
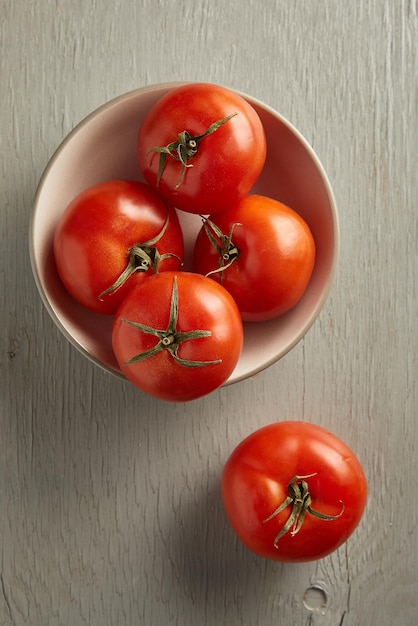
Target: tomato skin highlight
203,305
255,482
227,163
276,256
96,231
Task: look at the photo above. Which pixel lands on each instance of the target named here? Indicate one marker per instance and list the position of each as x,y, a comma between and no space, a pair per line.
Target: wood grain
110,511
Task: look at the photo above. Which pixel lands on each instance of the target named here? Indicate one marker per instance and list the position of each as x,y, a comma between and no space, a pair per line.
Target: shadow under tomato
213,568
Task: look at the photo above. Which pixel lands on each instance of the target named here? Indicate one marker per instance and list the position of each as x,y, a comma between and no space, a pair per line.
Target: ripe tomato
261,251
177,336
293,491
109,236
200,159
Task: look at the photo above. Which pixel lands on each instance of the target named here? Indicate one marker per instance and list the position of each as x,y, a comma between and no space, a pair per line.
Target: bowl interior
103,146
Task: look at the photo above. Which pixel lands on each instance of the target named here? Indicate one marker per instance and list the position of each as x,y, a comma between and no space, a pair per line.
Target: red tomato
293,491
266,252
177,336
111,235
201,160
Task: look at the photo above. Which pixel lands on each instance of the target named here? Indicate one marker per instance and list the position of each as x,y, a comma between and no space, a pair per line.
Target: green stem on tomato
141,257
184,148
300,500
225,247
170,338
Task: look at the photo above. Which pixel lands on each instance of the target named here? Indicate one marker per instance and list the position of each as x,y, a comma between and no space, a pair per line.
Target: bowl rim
167,86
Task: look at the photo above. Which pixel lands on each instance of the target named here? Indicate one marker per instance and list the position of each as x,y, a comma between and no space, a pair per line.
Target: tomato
201,159
177,336
293,491
109,236
261,251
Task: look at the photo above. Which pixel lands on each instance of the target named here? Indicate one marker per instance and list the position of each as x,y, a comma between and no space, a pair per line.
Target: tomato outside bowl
104,146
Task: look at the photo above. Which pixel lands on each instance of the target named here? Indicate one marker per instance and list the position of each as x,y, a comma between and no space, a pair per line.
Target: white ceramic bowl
103,146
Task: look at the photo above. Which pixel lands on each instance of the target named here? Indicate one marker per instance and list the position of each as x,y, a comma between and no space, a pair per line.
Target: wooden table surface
110,509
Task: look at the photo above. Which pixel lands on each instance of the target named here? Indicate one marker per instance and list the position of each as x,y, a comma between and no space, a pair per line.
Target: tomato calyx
184,148
226,248
300,499
141,257
170,338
